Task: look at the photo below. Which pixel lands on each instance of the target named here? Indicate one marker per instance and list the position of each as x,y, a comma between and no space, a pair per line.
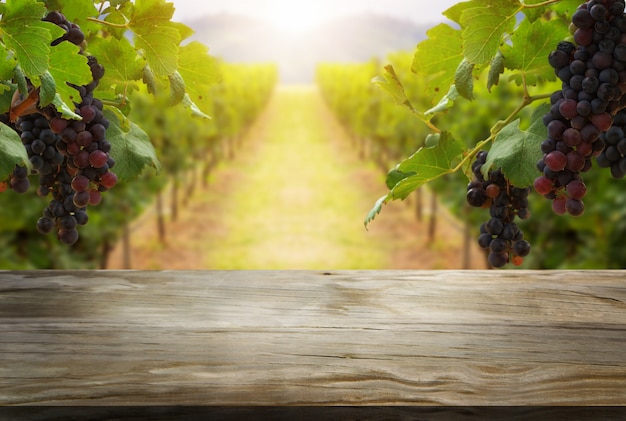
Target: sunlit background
299,34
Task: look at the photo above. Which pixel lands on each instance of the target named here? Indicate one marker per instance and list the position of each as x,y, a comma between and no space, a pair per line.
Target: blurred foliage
591,241
182,140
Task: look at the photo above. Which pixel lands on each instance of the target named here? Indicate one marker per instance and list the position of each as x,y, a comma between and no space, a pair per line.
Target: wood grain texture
313,338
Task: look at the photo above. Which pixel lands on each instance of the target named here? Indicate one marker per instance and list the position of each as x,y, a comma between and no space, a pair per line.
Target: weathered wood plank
309,338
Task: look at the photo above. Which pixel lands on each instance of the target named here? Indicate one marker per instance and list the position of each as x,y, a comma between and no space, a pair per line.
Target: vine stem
111,24
542,4
497,128
428,123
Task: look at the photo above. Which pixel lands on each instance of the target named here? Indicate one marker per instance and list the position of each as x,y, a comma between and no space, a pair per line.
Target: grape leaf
484,26
395,176
20,79
193,108
12,151
147,76
156,35
160,46
437,58
454,13
378,206
184,30
132,149
496,68
62,107
47,89
177,88
7,63
25,34
464,80
531,45
423,166
7,90
67,65
517,151
446,102
390,83
119,58
428,164
199,70
562,7
567,7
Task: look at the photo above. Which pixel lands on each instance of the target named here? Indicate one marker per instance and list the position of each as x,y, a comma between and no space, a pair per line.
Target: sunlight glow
295,17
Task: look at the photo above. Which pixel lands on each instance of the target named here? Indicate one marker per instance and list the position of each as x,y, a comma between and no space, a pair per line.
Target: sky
298,15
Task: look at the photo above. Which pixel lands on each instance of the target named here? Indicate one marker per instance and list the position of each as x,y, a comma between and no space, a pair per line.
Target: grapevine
576,45
61,92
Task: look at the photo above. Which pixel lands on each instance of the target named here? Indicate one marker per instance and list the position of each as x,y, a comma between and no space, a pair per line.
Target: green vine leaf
177,88
12,151
428,164
7,64
496,68
67,65
7,89
119,58
199,70
562,7
20,79
147,76
47,90
446,102
517,151
64,109
390,83
395,176
455,12
464,79
24,33
423,166
436,60
484,25
155,35
531,44
131,149
378,207
193,108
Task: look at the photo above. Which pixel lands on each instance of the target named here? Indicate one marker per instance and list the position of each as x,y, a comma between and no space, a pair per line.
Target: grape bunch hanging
585,119
500,236
70,157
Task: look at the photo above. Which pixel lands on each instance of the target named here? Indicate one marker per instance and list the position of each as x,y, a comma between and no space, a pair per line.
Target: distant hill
357,38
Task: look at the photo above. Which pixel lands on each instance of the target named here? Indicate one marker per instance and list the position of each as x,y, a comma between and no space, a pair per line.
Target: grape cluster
614,154
593,75
73,33
71,157
40,143
500,235
19,180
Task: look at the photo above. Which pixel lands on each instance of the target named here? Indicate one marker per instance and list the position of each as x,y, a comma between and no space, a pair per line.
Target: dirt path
299,204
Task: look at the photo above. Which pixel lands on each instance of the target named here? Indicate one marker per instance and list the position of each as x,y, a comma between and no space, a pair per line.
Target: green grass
298,204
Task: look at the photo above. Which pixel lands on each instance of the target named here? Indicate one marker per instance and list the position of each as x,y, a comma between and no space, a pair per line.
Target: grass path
294,197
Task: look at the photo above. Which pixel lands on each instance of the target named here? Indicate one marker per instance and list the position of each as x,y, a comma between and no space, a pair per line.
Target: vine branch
542,4
111,24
